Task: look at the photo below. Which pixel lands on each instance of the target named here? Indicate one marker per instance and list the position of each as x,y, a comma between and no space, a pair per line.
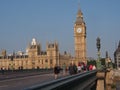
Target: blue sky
53,20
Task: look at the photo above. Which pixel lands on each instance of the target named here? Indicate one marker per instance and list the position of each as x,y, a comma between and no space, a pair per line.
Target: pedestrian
82,67
94,67
71,70
79,68
90,67
87,67
56,71
3,69
64,69
75,68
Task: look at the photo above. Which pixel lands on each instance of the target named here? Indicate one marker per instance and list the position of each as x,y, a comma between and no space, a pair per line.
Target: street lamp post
98,44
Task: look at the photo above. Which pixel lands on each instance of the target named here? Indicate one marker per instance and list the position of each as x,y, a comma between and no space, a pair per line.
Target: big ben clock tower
80,38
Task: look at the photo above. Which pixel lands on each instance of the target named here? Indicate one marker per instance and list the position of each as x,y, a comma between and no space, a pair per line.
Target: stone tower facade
117,56
34,48
80,38
53,53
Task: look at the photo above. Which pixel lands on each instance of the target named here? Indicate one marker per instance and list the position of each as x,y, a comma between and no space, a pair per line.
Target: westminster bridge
89,80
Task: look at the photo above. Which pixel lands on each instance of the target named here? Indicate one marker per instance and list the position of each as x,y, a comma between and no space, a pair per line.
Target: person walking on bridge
79,68
71,69
56,71
75,68
64,69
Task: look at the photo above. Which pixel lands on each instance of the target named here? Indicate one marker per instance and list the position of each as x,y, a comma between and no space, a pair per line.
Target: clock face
79,30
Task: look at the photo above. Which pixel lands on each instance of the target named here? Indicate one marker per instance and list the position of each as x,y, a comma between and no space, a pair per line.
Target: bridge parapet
82,81
101,75
105,80
109,80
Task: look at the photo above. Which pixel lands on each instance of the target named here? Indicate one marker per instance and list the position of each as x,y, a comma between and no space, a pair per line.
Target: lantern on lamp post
98,45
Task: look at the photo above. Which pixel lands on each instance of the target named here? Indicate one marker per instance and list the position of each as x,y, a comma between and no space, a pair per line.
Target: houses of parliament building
37,58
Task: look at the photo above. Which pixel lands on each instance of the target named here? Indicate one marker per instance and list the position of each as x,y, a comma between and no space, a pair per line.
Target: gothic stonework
80,38
117,56
35,58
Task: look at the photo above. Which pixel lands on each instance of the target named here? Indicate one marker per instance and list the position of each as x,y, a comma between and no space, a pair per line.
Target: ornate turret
79,18
53,52
119,45
117,55
34,48
118,49
3,53
107,54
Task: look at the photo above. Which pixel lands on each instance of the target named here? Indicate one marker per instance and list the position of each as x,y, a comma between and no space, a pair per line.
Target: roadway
24,82
20,81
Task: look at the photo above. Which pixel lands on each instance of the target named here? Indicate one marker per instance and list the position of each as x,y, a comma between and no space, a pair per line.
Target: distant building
80,38
3,53
117,56
35,57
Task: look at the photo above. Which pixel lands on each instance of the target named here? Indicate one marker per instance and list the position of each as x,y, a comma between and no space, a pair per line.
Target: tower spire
119,44
78,4
79,17
79,14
